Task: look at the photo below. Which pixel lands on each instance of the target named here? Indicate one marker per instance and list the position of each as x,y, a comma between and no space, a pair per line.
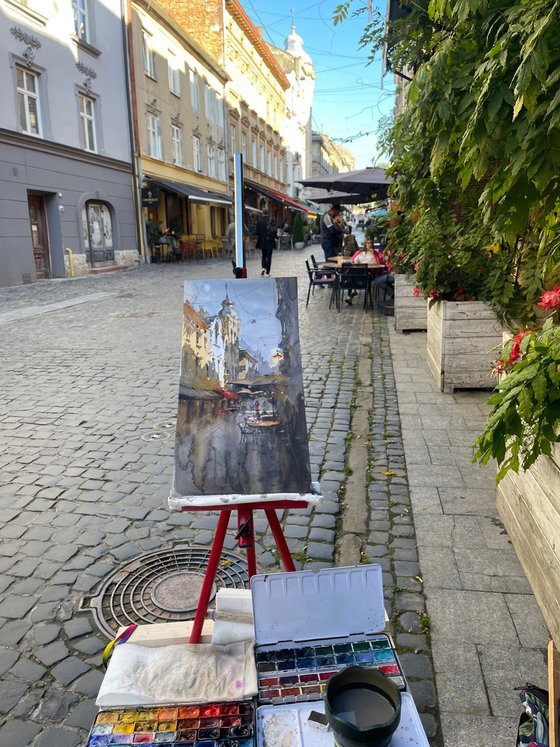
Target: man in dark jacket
266,230
328,231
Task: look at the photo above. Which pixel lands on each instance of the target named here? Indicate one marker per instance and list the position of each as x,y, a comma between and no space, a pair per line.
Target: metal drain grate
161,586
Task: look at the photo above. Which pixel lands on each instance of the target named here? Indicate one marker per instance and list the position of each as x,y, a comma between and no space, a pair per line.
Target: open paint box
310,625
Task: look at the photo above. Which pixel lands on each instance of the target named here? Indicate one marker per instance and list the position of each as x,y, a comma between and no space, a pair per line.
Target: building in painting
225,331
180,124
65,146
196,347
248,365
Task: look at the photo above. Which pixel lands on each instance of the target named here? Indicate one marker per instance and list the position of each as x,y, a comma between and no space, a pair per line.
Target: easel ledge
177,502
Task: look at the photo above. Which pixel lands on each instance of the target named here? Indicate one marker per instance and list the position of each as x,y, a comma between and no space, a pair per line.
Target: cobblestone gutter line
386,533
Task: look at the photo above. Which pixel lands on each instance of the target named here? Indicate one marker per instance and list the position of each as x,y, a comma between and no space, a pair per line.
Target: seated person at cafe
367,255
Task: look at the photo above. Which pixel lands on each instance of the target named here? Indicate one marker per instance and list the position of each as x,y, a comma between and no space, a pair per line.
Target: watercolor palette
300,672
309,625
208,725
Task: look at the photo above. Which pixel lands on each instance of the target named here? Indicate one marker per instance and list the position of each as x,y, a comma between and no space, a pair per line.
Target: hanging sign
150,196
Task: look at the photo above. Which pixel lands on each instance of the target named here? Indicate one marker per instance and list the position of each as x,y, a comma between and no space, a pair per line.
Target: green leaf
517,108
540,387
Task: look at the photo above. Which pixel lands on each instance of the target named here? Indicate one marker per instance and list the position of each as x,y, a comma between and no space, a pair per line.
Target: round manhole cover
161,586
179,592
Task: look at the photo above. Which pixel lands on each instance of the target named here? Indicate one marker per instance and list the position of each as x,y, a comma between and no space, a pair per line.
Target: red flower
434,294
458,293
416,266
516,348
499,368
551,299
389,266
416,292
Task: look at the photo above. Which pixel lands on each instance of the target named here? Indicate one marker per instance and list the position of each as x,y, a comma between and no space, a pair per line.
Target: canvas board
241,428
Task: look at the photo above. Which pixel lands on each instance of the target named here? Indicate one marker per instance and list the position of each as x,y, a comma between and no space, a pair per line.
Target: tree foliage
476,152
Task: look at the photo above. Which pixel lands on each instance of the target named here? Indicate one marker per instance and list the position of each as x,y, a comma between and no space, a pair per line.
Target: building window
269,163
276,166
174,79
197,160
148,54
211,154
221,164
220,113
254,152
87,122
195,97
261,158
154,136
244,145
233,139
209,103
81,24
28,99
177,145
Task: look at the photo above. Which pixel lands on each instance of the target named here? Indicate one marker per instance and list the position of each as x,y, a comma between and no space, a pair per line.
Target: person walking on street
266,229
328,231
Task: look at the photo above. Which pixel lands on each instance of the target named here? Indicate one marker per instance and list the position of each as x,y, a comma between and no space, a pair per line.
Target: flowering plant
523,422
401,253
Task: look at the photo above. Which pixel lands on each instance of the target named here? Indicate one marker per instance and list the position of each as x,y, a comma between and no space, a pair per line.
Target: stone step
110,268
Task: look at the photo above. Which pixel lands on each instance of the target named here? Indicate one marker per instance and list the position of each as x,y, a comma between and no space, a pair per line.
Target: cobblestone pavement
88,367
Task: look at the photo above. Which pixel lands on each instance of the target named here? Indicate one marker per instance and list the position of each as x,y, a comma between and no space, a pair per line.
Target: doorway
39,236
98,232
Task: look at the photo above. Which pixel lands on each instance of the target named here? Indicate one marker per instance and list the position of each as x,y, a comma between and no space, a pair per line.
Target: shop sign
150,196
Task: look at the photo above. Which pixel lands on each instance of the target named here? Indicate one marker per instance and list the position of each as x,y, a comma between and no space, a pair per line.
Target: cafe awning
283,199
194,194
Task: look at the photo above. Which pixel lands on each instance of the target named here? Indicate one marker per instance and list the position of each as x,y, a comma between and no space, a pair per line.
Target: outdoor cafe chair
317,277
352,278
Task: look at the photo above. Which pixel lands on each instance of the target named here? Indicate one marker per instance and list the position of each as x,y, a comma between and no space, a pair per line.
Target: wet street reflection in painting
241,422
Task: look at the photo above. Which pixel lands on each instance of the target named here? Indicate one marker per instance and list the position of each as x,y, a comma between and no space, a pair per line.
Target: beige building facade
328,157
180,130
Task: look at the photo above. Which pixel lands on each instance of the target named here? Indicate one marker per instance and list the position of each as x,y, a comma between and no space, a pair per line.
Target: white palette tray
287,726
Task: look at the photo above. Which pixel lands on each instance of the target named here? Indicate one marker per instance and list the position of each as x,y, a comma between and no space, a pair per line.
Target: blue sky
255,302
349,95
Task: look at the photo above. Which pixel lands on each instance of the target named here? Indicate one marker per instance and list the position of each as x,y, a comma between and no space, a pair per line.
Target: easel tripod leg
280,540
246,538
209,576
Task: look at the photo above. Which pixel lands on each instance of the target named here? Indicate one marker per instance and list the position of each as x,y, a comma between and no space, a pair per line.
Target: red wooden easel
245,538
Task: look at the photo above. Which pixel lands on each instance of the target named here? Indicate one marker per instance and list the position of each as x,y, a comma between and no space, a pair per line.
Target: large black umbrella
341,198
367,182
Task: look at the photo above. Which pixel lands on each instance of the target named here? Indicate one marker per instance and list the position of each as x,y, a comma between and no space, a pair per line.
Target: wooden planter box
529,506
463,337
411,313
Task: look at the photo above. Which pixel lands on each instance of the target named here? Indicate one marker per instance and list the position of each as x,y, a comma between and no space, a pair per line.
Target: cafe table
332,264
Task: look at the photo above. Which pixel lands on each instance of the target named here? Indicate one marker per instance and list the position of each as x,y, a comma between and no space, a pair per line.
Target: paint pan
207,725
